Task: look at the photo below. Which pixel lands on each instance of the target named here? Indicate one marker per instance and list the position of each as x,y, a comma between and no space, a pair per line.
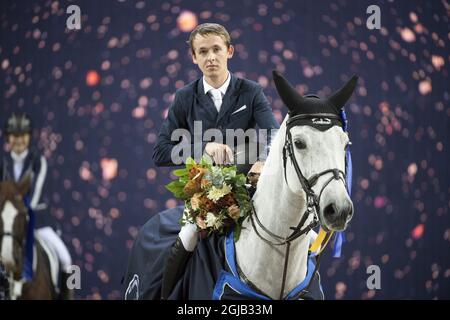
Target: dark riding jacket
244,106
34,163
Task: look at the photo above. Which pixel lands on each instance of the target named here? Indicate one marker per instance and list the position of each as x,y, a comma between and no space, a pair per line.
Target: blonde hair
207,29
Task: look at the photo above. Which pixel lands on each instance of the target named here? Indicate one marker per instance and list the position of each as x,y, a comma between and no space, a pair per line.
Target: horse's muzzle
337,216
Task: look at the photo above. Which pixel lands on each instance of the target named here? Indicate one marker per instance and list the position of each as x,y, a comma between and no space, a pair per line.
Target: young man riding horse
219,100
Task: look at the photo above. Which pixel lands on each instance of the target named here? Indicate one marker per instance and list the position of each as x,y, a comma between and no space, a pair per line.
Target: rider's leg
189,236
178,257
52,239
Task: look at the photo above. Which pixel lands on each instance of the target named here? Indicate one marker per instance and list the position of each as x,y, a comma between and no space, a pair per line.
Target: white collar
223,88
19,157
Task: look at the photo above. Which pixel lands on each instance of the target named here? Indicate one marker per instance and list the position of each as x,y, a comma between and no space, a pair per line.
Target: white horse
281,201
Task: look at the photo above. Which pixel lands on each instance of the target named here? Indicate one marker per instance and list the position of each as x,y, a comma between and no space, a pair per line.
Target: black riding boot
174,267
65,293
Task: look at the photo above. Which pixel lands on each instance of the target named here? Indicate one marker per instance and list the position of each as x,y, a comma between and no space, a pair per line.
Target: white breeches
189,236
52,239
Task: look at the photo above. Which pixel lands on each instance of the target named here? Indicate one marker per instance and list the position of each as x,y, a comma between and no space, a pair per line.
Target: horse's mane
278,140
276,148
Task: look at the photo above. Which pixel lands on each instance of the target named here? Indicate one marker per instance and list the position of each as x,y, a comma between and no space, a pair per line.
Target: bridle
20,241
8,279
16,238
312,199
12,235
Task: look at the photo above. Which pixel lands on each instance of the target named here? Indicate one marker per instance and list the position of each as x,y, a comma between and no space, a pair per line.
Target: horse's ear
340,97
24,184
291,98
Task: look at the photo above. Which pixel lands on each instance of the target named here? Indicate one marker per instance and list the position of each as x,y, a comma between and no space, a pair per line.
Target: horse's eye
299,144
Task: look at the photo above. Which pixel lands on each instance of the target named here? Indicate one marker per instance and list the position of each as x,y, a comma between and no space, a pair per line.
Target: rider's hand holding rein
220,153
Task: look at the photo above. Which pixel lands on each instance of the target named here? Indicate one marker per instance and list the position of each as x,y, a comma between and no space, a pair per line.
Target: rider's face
19,143
211,55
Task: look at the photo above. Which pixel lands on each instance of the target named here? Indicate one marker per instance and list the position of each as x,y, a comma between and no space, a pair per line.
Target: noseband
12,235
312,199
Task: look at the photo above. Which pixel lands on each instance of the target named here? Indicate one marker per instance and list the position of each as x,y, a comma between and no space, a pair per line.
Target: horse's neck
278,209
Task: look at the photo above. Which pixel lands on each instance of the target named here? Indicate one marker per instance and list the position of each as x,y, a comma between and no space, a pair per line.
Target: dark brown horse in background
13,230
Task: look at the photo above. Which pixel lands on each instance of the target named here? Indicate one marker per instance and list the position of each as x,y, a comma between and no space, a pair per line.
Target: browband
320,121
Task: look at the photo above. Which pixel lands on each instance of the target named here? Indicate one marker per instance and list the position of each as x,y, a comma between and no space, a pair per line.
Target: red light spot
187,21
109,168
379,202
92,78
417,232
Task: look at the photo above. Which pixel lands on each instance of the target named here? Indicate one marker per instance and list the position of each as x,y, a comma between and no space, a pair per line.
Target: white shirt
19,160
217,94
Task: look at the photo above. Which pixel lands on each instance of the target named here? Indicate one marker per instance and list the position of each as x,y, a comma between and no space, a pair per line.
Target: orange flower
200,222
192,173
208,204
234,212
205,184
195,201
192,187
227,201
197,173
195,178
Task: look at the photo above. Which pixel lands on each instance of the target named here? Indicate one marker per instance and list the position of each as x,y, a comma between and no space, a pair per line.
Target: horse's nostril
348,212
330,212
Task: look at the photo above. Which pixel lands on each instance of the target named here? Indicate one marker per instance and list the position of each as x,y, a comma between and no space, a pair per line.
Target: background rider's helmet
18,123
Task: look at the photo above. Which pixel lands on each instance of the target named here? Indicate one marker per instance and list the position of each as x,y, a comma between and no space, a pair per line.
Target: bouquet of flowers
216,197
